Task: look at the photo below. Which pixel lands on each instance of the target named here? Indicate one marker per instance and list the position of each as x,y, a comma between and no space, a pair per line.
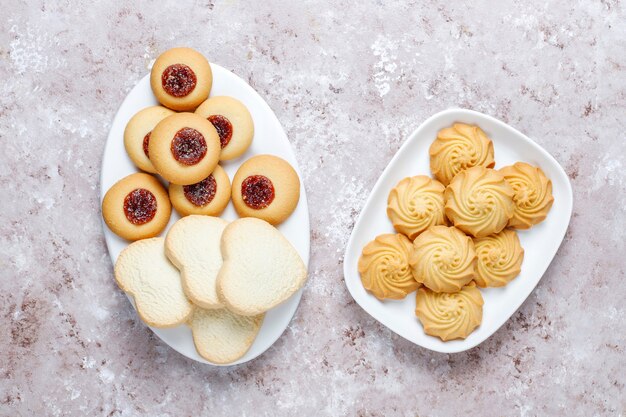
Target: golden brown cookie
457,148
136,207
181,79
479,201
266,187
137,135
184,148
415,204
533,194
449,315
384,267
233,123
209,196
500,258
443,259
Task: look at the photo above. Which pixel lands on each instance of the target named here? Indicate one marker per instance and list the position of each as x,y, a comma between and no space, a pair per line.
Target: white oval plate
269,138
540,243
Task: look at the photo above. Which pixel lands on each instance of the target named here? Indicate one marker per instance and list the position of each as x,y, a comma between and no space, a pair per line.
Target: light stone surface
349,81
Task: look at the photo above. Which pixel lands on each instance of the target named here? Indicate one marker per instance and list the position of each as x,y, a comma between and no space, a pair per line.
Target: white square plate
540,243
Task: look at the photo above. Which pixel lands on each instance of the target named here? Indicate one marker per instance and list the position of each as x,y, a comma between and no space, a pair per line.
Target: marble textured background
349,83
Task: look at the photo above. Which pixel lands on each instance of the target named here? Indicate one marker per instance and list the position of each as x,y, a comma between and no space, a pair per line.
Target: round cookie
266,187
479,201
184,148
449,316
533,194
209,196
443,259
457,148
499,258
384,267
233,123
415,204
181,79
136,207
137,135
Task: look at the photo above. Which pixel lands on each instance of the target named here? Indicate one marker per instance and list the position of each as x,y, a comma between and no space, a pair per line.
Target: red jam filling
146,142
140,206
201,193
224,128
178,80
257,191
188,146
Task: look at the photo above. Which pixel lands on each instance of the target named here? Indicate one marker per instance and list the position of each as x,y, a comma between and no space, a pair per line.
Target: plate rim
456,348
297,296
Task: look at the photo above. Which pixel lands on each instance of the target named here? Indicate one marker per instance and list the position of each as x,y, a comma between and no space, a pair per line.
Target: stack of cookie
217,277
455,232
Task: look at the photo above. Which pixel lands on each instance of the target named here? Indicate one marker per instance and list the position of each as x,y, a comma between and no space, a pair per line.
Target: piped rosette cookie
457,148
384,267
181,79
184,148
479,201
533,194
233,123
443,259
138,132
415,204
449,315
208,197
499,258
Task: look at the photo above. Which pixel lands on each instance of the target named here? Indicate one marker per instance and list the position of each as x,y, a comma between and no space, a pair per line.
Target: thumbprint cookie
449,316
181,79
266,187
137,135
457,148
533,194
479,201
415,204
233,123
136,207
184,148
209,196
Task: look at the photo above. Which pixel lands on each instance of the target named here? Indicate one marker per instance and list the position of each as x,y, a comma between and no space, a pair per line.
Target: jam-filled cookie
181,79
415,204
384,267
137,135
533,194
266,187
457,148
209,196
443,259
233,123
500,258
184,148
449,316
136,207
479,201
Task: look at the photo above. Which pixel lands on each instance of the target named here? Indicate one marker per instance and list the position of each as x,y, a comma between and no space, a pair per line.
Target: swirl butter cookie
479,201
137,135
136,207
499,258
208,197
457,148
384,267
184,148
443,259
533,194
266,187
449,315
415,204
233,123
181,79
